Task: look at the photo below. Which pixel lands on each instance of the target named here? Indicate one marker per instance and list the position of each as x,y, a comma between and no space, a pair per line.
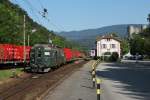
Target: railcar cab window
39,54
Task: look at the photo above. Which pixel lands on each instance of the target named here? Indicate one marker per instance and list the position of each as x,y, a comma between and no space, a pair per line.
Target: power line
52,23
30,7
33,10
59,27
58,24
41,4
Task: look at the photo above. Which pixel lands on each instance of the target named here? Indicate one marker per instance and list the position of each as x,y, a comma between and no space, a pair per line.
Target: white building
107,44
92,53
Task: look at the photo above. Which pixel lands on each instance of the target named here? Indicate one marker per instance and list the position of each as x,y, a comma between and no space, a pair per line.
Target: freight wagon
10,53
68,54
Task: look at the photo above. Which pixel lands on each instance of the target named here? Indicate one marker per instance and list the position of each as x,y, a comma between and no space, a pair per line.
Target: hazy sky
67,15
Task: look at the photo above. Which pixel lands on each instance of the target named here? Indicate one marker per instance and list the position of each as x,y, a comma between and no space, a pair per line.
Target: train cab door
55,58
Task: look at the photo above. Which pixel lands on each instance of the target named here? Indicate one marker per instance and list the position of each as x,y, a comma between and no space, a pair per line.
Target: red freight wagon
78,54
6,52
12,53
74,54
68,54
18,53
28,48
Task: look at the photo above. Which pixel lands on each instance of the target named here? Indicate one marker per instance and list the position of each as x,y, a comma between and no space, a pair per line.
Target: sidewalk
76,87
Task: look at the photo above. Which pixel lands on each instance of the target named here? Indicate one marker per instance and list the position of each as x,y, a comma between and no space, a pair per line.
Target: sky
69,15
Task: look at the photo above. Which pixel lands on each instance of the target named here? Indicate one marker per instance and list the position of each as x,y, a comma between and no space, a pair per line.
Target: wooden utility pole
24,38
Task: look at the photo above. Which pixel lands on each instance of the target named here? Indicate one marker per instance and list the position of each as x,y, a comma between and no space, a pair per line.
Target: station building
107,44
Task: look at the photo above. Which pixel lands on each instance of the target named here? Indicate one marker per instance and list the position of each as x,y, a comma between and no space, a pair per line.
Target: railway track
32,87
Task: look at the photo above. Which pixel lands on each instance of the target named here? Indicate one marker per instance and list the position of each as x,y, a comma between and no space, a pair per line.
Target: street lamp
32,31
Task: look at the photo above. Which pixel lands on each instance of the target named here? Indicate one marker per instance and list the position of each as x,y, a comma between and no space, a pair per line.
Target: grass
5,74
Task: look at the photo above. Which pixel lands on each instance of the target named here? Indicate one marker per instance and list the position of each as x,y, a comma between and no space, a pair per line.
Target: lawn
5,74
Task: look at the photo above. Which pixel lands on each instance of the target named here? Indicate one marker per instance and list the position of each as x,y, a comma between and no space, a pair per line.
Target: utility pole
24,38
28,40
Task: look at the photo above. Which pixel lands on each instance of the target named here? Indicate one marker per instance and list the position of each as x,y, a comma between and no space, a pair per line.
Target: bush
105,58
107,53
114,57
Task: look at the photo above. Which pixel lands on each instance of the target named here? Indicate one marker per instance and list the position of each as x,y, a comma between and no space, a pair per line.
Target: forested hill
11,27
87,37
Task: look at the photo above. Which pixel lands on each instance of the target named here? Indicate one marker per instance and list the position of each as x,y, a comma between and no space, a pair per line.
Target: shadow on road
135,77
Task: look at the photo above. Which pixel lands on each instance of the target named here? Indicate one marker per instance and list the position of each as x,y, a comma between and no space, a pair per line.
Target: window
39,53
113,46
104,46
108,39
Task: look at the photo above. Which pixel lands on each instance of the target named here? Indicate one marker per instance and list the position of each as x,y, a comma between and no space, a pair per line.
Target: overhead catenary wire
53,24
41,4
46,17
35,11
31,9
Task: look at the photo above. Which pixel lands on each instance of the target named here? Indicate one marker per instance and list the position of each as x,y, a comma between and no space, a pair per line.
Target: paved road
126,81
77,87
139,61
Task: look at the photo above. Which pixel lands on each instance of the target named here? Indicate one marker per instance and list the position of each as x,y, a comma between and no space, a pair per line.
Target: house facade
107,44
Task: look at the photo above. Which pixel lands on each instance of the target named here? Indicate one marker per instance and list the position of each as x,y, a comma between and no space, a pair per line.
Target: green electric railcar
44,57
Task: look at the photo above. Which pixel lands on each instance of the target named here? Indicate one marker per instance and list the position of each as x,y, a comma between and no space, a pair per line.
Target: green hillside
11,27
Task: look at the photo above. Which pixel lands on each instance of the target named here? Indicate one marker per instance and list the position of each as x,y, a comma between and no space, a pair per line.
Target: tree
140,44
114,34
114,57
147,47
125,46
137,43
11,28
